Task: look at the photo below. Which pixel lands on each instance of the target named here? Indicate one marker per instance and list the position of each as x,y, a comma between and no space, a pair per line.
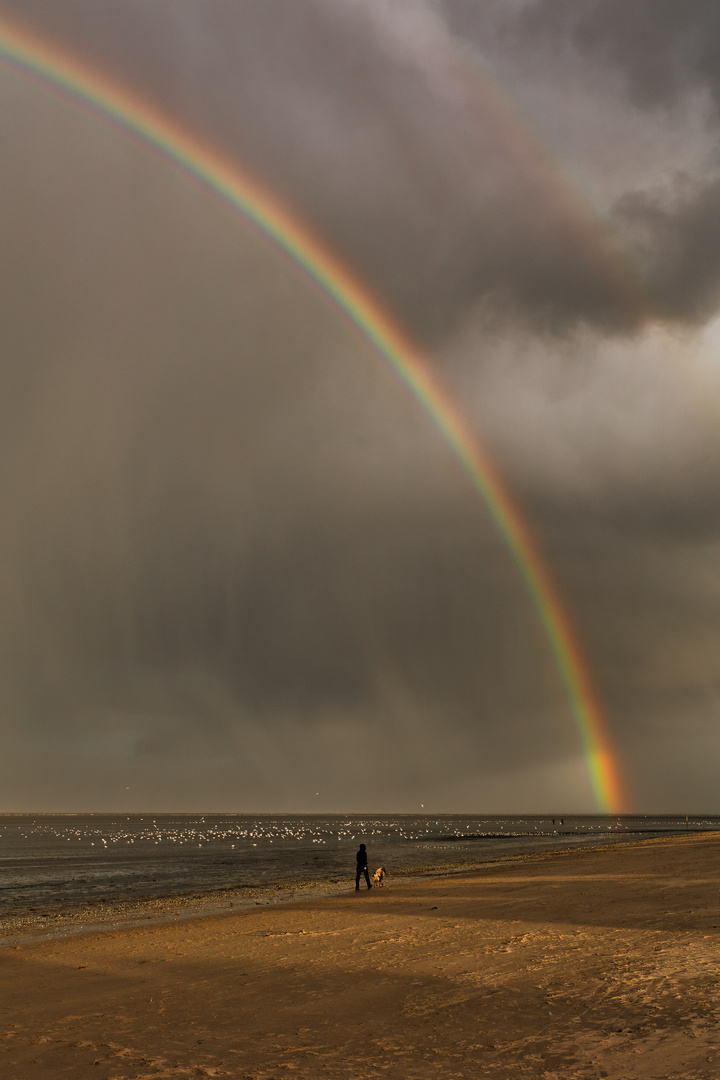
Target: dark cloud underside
238,563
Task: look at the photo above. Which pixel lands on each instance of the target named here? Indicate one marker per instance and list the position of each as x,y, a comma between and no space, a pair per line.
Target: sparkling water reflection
50,861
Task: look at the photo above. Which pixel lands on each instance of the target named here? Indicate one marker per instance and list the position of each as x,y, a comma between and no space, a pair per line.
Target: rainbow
66,72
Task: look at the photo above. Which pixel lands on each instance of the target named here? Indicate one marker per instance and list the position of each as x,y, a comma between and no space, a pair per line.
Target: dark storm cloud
229,537
645,612
237,563
664,52
662,48
674,239
374,124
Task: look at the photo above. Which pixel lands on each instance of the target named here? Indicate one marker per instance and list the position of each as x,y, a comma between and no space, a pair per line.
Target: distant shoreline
363,814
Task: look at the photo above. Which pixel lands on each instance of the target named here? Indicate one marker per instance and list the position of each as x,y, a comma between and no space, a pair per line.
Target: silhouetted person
362,868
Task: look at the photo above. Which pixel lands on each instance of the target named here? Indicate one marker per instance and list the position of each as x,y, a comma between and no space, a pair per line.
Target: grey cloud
394,154
227,529
663,55
236,559
663,48
674,239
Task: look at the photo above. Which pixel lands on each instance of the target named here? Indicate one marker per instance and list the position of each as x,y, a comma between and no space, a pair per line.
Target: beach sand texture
579,965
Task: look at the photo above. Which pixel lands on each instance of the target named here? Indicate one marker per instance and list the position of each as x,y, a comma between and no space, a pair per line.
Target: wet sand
580,965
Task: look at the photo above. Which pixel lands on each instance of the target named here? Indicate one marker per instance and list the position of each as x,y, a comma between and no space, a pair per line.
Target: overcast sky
239,567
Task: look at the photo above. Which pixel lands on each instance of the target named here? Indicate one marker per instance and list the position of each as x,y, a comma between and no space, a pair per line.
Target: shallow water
49,862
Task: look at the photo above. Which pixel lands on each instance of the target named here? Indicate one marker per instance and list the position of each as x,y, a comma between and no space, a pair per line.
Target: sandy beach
585,964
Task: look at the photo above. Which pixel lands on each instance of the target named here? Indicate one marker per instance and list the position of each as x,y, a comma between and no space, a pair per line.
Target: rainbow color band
84,84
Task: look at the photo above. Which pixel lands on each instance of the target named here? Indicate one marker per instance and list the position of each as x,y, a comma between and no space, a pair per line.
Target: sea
52,862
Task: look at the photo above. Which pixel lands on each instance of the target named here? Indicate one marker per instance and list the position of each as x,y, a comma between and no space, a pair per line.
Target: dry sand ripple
574,966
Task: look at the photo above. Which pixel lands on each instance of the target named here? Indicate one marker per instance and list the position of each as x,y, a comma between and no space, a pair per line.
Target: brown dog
379,876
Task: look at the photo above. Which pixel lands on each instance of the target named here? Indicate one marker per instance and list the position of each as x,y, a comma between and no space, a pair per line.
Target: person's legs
367,878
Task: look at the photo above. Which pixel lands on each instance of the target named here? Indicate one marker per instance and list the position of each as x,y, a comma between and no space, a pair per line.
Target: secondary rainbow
84,84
